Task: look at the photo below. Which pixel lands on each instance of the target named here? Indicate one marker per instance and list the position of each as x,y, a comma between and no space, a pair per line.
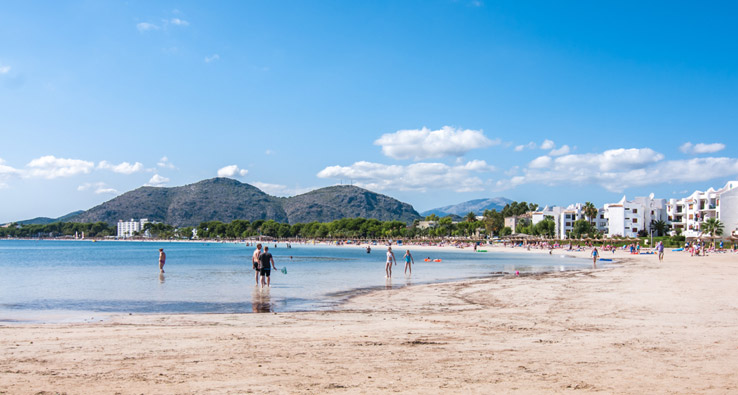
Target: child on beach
408,259
594,257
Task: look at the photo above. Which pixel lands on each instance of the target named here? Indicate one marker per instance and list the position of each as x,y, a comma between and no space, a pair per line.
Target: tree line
491,224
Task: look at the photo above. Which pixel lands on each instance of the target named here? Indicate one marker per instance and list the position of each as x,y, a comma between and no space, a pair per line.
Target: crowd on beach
263,261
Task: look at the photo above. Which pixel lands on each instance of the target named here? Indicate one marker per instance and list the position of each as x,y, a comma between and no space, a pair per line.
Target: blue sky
430,102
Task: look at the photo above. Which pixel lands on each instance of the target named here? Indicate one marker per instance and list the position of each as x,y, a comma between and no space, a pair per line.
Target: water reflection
261,300
161,278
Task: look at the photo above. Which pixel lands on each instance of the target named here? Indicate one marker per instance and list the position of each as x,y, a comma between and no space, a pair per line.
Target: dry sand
644,327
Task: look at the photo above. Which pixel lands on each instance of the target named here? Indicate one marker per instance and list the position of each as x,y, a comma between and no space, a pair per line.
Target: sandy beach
642,327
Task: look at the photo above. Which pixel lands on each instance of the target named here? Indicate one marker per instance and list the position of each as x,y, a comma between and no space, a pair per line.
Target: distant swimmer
368,250
390,260
162,260
409,261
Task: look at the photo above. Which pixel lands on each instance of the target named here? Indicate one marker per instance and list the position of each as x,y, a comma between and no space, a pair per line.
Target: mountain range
477,206
225,200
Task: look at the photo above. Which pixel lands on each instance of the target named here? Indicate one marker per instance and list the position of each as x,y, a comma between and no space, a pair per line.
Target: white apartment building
624,218
574,213
554,212
688,213
128,228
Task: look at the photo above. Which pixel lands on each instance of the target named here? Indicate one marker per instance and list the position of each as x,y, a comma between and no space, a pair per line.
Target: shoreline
643,328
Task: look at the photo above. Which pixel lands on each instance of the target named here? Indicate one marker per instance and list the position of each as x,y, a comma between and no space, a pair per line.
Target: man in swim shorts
408,259
390,260
255,261
660,250
266,262
162,260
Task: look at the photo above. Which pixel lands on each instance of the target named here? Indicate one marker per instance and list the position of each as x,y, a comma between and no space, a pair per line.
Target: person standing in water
408,259
266,263
162,260
390,260
255,261
595,254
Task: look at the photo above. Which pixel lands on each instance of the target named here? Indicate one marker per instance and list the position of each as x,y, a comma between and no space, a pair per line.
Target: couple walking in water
263,262
409,261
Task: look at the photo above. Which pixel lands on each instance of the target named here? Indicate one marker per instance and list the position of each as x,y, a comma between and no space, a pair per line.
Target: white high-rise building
128,228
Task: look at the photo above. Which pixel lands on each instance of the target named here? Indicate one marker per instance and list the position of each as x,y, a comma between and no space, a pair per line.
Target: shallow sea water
58,281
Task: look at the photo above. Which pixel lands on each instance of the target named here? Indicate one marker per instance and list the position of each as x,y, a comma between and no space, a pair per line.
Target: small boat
481,250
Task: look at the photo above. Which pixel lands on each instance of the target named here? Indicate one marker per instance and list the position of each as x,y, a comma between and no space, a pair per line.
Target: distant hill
476,206
225,199
47,220
216,199
344,201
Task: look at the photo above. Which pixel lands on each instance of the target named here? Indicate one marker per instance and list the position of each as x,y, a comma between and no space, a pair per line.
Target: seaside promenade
643,327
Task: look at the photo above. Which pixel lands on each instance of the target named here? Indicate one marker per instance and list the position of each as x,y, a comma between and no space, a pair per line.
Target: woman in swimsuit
408,259
390,260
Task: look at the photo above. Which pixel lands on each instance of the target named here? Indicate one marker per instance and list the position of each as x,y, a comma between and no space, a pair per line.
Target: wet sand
643,327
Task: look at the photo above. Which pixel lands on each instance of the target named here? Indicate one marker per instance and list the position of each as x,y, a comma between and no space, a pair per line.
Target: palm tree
470,217
590,211
659,226
712,226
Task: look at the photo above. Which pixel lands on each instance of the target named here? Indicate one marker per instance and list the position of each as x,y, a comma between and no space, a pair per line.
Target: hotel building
128,228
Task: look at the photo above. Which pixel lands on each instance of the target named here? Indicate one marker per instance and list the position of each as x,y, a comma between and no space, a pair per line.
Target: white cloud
122,168
563,150
269,152
417,176
280,190
618,169
179,22
425,143
51,167
4,69
145,26
98,188
165,163
231,171
523,147
156,181
701,148
6,170
547,144
540,162
212,58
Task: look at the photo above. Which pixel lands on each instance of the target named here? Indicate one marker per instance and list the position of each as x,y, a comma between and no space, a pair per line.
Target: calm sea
57,281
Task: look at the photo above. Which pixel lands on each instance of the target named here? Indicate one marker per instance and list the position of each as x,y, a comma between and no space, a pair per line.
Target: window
635,230
635,211
635,220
